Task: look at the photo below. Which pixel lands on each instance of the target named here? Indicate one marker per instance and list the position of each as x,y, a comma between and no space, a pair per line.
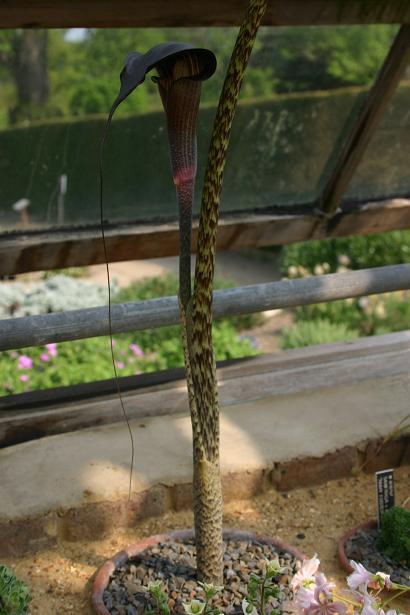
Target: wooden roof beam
45,249
374,107
180,13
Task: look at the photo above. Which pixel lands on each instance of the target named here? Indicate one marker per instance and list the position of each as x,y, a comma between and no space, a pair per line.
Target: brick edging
95,520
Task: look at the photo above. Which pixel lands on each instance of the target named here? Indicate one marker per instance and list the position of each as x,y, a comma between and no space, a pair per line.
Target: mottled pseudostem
207,485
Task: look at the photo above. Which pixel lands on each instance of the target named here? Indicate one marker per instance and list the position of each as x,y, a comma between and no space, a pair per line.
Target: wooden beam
180,13
153,313
42,250
374,107
290,372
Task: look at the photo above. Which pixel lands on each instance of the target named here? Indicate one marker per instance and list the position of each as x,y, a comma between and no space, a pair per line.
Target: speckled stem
207,484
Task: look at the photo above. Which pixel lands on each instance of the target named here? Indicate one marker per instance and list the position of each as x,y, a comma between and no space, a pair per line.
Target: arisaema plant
180,69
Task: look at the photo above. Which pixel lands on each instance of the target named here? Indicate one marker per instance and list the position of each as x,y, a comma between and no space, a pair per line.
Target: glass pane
301,90
384,170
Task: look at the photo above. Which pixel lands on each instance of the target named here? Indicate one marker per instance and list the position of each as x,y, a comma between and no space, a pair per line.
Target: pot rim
104,573
367,525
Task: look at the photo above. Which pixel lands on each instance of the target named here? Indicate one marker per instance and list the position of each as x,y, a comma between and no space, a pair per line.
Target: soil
311,519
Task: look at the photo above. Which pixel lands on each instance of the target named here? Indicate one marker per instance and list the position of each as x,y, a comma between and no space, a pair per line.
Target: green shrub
306,333
14,594
362,251
394,539
371,315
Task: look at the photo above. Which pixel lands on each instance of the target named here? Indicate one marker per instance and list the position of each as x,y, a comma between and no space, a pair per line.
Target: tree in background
24,53
49,74
322,58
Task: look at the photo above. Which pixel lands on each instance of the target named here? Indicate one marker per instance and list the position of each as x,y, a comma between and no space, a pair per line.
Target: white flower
306,575
248,609
195,607
343,259
273,567
318,270
383,580
360,577
380,310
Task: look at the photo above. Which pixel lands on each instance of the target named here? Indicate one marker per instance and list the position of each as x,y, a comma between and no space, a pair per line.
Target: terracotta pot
104,573
369,525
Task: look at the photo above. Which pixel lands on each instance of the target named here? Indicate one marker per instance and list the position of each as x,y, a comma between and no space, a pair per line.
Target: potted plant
180,70
385,548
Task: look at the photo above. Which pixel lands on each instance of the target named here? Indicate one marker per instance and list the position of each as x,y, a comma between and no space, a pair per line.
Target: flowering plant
315,595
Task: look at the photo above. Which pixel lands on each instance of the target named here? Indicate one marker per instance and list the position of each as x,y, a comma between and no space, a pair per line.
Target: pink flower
25,362
120,364
44,357
369,606
306,575
360,577
52,350
322,604
23,377
304,598
136,350
323,585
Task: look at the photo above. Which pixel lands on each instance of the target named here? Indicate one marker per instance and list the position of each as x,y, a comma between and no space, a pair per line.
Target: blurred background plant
349,318
75,362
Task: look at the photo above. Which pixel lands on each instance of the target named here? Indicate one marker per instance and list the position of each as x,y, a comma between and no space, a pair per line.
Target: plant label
384,491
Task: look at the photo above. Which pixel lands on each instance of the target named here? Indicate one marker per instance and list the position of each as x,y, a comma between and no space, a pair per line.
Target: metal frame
22,251
153,313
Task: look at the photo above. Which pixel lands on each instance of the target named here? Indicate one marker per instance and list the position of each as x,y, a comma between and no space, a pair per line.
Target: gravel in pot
173,562
360,545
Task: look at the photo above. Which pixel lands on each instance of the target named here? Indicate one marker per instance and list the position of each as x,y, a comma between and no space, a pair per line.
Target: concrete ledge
75,485
95,520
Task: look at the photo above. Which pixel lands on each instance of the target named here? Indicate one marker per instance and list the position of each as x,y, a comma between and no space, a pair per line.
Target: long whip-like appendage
117,382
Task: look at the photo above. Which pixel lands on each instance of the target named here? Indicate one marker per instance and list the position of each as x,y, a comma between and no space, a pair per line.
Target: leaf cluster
14,594
394,539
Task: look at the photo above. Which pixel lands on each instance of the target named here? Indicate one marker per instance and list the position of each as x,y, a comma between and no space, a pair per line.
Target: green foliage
362,251
320,331
71,272
323,58
394,539
159,598
90,359
14,594
348,318
84,74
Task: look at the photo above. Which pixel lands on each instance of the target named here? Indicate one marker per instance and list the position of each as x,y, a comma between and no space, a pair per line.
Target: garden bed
312,519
